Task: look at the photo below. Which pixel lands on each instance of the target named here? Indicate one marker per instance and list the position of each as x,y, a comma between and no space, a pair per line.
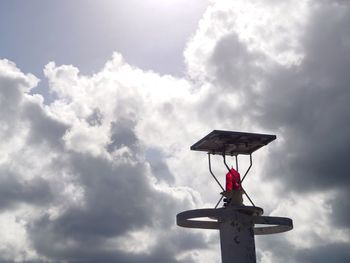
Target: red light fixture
233,179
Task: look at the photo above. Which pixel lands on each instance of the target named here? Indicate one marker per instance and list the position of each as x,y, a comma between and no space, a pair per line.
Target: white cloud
83,156
253,22
107,164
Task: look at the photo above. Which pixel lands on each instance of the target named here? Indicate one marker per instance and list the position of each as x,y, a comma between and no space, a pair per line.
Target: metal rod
236,163
250,166
250,200
211,172
223,156
219,201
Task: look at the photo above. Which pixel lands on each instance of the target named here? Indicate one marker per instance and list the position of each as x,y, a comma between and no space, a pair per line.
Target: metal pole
236,162
211,172
237,230
237,239
250,166
219,201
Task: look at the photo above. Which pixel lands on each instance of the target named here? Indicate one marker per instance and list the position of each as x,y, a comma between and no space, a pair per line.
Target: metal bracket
277,224
250,166
219,201
211,172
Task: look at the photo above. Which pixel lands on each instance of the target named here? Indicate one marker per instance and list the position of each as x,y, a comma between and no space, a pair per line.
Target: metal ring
184,219
280,224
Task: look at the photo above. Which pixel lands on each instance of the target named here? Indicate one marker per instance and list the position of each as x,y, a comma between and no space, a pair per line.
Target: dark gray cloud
286,252
15,191
122,135
308,105
159,168
340,208
233,65
43,128
95,118
116,193
338,252
118,198
11,95
15,187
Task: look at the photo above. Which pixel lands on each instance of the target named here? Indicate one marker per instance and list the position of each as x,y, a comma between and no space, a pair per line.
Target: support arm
250,166
211,172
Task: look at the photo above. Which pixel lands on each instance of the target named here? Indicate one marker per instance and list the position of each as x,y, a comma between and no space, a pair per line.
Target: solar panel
232,143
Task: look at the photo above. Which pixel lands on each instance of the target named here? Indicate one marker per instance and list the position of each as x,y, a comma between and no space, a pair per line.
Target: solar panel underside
232,143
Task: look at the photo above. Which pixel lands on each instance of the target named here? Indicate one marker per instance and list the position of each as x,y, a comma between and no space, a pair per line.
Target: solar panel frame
232,143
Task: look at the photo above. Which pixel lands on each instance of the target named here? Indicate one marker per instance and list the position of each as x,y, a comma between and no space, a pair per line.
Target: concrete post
236,224
237,239
236,232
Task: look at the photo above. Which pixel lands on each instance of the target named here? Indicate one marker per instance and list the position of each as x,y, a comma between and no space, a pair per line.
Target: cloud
14,191
79,177
100,173
311,106
288,79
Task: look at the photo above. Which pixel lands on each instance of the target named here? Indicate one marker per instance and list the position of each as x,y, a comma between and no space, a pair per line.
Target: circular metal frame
278,224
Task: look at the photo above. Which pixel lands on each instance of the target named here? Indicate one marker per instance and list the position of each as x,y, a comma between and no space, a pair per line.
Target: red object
232,180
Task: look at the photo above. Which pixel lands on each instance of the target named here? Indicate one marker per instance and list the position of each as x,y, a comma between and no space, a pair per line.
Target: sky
100,102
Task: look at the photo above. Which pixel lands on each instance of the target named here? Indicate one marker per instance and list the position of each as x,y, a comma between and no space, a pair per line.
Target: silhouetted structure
235,221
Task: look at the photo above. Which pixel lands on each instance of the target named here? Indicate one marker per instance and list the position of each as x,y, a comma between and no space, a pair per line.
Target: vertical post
237,238
236,157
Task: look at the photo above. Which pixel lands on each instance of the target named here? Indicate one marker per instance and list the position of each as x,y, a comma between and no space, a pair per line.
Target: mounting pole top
232,143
